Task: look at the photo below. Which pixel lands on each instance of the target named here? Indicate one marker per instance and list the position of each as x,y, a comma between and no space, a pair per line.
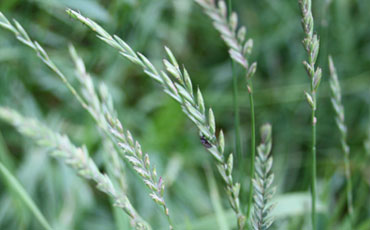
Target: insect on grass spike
195,112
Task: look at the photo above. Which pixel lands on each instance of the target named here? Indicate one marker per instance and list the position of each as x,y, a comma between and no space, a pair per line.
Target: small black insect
205,142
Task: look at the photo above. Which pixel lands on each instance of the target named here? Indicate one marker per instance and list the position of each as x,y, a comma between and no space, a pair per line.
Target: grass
239,48
17,189
262,182
98,96
339,110
76,157
182,92
311,45
238,146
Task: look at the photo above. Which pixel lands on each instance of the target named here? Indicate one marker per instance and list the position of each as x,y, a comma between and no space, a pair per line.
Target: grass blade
17,188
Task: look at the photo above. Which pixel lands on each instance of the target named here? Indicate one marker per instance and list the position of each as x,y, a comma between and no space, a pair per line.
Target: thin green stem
238,150
253,147
229,7
5,156
165,209
349,183
313,169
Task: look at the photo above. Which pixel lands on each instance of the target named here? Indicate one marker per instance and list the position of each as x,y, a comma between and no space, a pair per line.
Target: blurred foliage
68,202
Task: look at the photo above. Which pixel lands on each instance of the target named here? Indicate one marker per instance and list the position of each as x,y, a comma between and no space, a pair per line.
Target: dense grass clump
126,156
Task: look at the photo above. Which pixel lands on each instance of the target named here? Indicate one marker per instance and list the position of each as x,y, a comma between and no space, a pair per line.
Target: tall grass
262,182
238,145
311,45
129,176
101,106
336,101
76,157
239,48
101,109
17,188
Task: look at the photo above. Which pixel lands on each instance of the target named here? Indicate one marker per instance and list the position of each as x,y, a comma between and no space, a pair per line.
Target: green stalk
238,150
313,186
253,147
311,44
5,156
349,186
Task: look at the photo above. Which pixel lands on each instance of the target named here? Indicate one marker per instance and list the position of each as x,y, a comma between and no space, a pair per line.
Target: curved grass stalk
76,157
96,105
336,101
23,37
311,45
100,107
192,104
239,48
140,163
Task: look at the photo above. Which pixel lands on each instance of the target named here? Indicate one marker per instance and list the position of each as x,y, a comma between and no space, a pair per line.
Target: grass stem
238,149
313,169
311,44
253,147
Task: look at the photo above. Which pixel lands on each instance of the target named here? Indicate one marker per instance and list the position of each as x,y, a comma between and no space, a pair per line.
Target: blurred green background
157,121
